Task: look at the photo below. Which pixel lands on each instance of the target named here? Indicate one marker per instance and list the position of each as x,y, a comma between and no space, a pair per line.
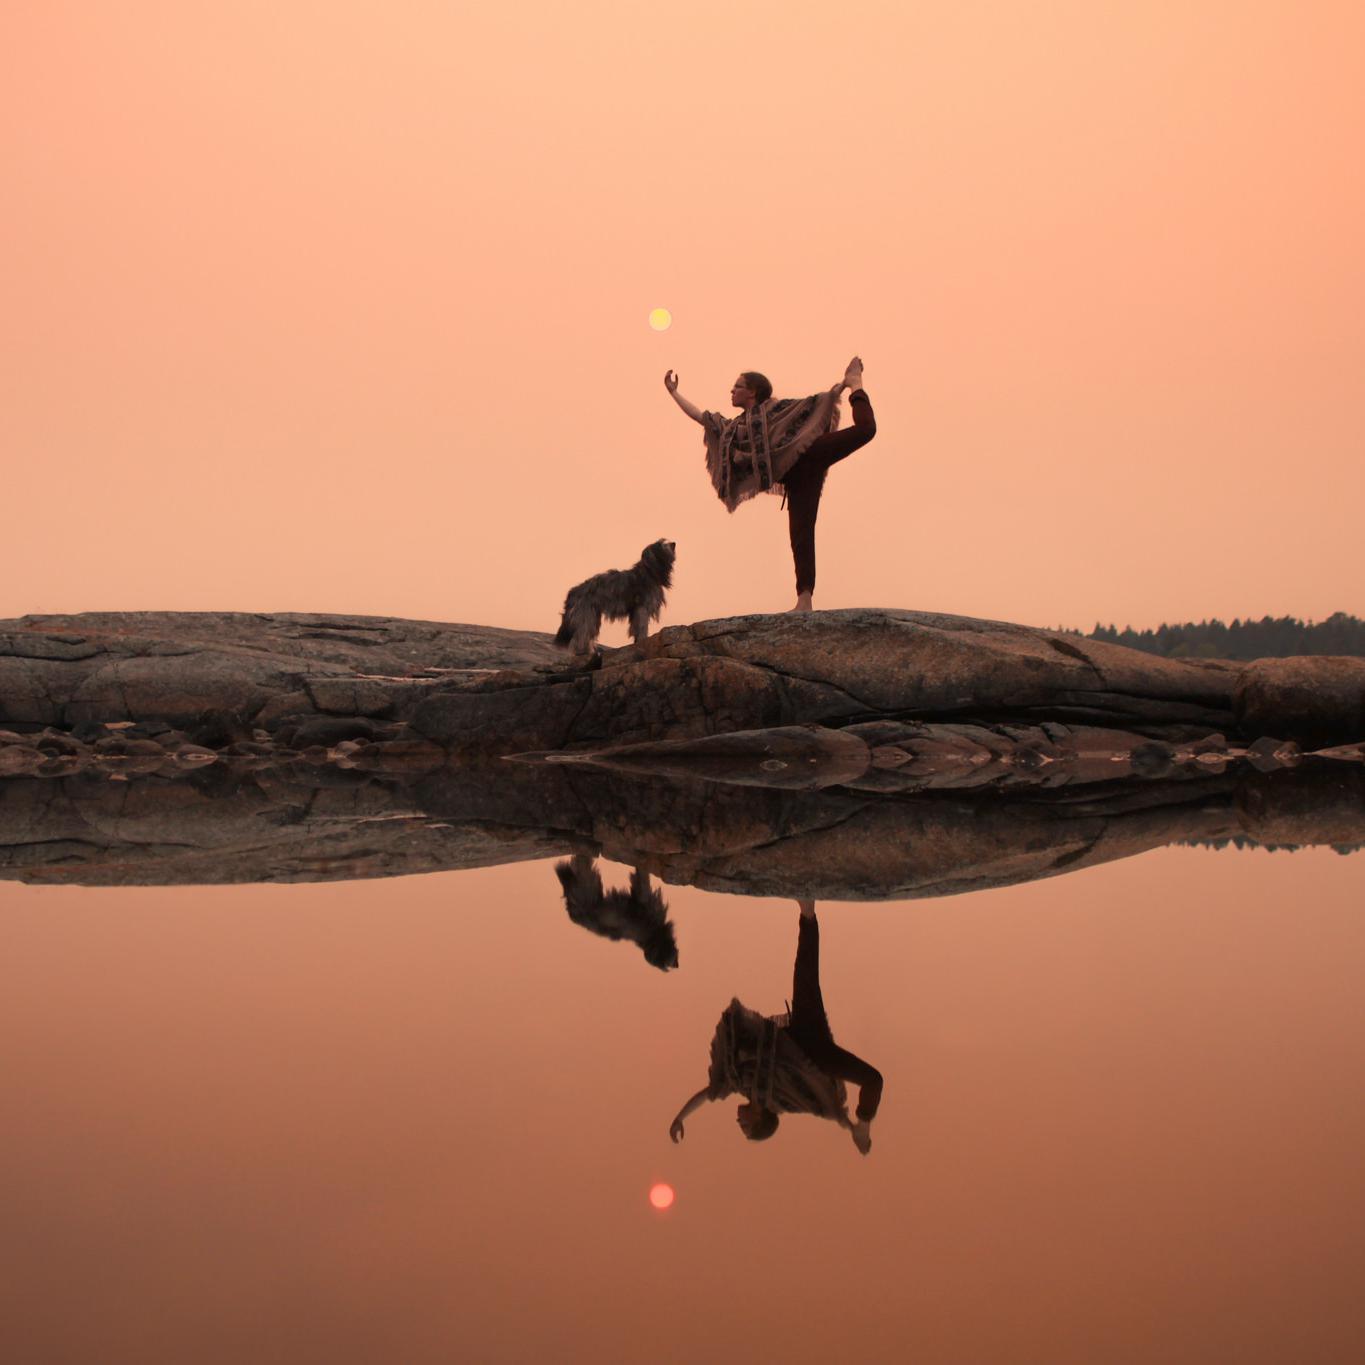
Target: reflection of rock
841,844
146,747
1315,805
302,822
307,824
913,756
798,757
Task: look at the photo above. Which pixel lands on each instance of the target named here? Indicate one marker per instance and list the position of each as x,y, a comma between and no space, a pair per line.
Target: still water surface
419,1120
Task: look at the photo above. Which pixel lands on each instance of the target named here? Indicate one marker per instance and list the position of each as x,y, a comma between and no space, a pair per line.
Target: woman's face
741,395
749,1116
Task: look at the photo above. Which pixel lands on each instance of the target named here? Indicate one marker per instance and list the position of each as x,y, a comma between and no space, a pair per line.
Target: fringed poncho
753,452
758,1058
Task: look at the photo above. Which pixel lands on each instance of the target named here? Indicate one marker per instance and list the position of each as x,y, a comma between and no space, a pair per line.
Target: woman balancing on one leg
783,445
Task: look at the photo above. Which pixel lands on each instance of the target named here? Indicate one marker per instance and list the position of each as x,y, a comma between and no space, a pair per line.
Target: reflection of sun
661,319
661,1196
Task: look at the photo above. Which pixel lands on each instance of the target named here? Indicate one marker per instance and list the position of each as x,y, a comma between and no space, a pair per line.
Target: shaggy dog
639,914
635,594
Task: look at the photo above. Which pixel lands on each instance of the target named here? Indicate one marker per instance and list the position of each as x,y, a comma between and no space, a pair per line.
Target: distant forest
1270,637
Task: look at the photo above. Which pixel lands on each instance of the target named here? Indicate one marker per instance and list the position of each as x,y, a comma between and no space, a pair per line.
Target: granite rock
481,691
1316,700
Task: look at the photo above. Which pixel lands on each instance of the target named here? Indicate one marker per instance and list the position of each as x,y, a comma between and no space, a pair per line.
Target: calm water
418,1119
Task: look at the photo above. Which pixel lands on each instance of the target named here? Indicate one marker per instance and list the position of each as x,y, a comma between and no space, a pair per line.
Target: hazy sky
343,306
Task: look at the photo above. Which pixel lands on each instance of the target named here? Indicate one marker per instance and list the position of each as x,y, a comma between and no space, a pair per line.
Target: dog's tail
567,625
581,623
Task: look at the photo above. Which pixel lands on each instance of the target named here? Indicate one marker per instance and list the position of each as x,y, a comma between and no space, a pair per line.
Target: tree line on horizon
1270,637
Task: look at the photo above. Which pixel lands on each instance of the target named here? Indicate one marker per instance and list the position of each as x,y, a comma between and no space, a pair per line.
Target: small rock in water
194,755
59,765
53,742
1211,744
1267,754
329,730
1345,752
18,758
1150,760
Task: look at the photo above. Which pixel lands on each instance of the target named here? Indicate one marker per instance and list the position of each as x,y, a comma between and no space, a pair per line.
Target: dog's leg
642,893
589,627
639,624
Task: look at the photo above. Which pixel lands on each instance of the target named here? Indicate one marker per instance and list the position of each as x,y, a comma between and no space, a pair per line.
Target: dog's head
661,947
658,561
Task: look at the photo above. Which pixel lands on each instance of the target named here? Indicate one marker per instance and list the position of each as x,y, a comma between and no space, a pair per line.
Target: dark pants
810,1027
806,480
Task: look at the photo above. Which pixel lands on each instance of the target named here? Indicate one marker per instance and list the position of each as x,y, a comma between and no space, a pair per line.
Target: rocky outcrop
841,667
174,667
479,691
1317,699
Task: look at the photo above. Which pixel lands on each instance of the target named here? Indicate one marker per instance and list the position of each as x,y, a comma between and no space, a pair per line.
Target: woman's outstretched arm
691,409
675,1129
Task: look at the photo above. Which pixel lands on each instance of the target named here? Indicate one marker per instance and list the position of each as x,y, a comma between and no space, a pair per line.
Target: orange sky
343,307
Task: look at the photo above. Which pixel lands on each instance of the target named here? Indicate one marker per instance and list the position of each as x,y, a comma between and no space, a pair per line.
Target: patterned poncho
758,1058
753,452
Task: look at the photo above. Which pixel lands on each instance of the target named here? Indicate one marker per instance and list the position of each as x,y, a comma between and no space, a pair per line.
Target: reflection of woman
788,1063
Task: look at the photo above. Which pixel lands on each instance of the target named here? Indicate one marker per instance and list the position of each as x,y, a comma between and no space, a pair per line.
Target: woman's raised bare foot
853,375
802,603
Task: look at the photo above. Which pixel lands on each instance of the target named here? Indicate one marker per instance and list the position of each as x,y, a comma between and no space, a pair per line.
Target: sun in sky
660,319
661,1196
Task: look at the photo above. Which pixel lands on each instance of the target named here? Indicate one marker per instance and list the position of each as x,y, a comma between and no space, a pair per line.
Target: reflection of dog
635,594
639,914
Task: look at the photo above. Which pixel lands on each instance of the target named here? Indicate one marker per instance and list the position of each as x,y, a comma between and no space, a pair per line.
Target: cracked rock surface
480,690
840,668
174,667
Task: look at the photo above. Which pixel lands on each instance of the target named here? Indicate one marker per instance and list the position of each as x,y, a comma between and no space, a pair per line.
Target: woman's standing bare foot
802,603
